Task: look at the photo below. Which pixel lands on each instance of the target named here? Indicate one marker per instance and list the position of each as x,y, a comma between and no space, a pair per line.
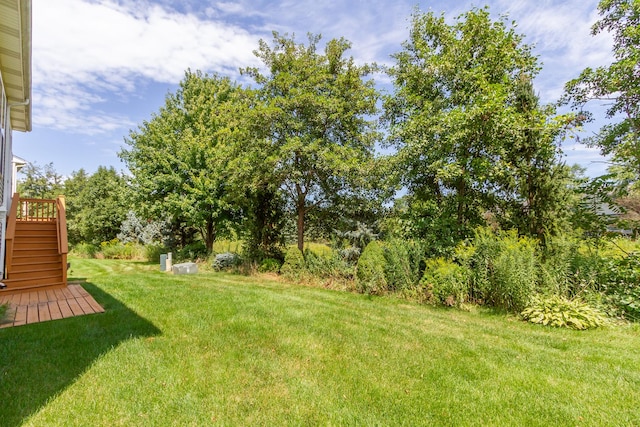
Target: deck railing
40,210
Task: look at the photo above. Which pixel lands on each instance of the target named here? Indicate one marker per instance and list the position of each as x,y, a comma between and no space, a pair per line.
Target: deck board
53,304
54,310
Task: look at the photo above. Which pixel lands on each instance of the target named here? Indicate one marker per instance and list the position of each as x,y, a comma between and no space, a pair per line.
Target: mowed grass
219,349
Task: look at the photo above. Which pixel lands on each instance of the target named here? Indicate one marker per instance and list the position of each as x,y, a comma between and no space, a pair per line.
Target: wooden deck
51,304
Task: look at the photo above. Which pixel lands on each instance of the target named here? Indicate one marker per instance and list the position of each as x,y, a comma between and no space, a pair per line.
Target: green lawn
218,349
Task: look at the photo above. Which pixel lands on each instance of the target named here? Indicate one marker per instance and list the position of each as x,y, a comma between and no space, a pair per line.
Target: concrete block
185,268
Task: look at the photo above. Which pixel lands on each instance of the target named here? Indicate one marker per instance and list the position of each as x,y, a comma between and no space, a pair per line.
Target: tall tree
40,182
536,193
101,205
619,83
459,120
314,124
179,158
73,188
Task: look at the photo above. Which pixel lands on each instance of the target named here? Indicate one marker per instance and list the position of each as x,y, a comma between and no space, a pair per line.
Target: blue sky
101,67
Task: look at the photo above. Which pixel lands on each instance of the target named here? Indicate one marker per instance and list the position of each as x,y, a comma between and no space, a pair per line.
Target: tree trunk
300,210
461,208
209,235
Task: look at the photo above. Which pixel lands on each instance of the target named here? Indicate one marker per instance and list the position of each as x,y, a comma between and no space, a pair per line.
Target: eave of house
15,60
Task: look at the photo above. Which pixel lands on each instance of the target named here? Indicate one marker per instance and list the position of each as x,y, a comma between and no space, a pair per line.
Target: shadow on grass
39,361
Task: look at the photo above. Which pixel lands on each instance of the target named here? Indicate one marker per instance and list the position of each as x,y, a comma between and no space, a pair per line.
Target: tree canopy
178,158
315,132
468,131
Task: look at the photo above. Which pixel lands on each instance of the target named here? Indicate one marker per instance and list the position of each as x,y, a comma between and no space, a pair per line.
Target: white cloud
561,33
81,48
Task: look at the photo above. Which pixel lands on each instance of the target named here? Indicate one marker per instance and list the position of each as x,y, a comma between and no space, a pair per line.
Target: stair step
17,268
30,256
40,257
35,246
31,240
35,273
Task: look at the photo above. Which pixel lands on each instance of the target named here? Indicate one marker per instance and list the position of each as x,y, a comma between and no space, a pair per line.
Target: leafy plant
269,265
446,282
515,273
294,265
153,251
370,271
564,313
625,300
84,250
193,251
404,264
115,249
505,269
327,265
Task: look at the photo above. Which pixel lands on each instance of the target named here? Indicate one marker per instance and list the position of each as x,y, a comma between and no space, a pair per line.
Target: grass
3,311
218,349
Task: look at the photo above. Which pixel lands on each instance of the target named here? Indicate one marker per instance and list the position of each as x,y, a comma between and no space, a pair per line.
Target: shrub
114,249
505,269
404,264
294,266
515,273
84,250
557,261
226,261
153,251
624,302
564,313
327,265
193,251
446,282
370,277
269,265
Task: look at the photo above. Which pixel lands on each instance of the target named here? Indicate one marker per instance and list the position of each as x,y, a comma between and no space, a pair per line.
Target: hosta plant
563,313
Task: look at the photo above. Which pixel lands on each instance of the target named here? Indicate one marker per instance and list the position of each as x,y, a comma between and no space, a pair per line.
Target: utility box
163,262
185,268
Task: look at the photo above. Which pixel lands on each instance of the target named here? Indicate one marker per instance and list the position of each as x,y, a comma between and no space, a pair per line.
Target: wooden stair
36,255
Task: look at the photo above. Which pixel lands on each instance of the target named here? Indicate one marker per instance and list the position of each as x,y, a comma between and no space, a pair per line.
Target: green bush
192,251
557,260
446,282
269,265
327,264
84,250
294,266
563,313
506,269
404,264
114,249
515,273
370,276
624,303
153,251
